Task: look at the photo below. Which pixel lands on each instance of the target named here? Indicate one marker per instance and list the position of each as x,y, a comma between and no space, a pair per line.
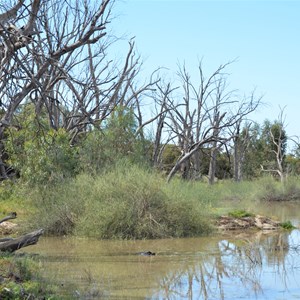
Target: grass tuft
287,225
240,213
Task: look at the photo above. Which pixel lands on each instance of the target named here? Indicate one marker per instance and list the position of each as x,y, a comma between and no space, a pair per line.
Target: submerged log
11,245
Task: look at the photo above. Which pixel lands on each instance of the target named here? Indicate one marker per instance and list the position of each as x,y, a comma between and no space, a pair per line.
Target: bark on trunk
212,164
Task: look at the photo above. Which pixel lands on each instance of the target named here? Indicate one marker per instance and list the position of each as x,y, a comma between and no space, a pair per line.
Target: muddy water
252,265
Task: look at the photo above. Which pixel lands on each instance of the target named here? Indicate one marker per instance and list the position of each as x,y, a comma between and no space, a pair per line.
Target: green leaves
41,154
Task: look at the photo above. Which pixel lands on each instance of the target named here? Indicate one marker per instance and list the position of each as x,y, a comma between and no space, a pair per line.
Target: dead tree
241,132
34,52
55,57
206,117
162,135
241,141
278,139
220,101
190,119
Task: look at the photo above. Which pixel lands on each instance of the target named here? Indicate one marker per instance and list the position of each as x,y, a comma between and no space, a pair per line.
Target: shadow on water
239,265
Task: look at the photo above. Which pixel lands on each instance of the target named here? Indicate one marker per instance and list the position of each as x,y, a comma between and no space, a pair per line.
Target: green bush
132,203
128,203
101,150
40,154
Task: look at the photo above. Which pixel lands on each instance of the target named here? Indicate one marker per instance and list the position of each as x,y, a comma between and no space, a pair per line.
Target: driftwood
13,244
259,222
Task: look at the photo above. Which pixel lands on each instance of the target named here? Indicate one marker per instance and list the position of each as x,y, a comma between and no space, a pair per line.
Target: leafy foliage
261,148
41,154
117,140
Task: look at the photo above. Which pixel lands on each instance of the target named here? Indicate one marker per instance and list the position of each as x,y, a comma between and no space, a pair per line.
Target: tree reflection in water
248,266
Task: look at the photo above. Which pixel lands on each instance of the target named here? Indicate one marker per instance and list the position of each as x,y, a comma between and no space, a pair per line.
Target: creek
228,265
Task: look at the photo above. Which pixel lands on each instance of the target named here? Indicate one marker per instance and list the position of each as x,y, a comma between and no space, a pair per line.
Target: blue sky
263,36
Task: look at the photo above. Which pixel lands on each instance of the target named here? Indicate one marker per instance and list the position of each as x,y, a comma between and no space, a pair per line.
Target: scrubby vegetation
272,190
85,146
20,279
128,202
134,202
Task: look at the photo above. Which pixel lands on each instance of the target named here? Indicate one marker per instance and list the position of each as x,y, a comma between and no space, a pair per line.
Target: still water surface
239,265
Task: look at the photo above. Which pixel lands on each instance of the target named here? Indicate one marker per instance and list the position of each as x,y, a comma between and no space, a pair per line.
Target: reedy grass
273,190
128,202
131,202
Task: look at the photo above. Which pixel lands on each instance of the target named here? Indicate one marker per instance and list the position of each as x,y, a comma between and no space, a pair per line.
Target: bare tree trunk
196,165
212,164
157,145
237,165
3,173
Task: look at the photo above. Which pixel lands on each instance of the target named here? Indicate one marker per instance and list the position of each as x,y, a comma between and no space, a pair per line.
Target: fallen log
12,215
11,245
8,244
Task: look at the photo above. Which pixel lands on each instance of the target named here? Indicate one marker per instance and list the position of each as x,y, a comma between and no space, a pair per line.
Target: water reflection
244,267
251,265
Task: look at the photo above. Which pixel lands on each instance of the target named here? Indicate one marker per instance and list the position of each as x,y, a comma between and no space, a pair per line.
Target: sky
262,37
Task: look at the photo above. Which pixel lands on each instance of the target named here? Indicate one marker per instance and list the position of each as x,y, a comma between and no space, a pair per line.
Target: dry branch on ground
259,222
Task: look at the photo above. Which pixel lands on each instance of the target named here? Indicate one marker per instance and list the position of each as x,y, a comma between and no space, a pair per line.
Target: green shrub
39,153
128,202
117,140
132,203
